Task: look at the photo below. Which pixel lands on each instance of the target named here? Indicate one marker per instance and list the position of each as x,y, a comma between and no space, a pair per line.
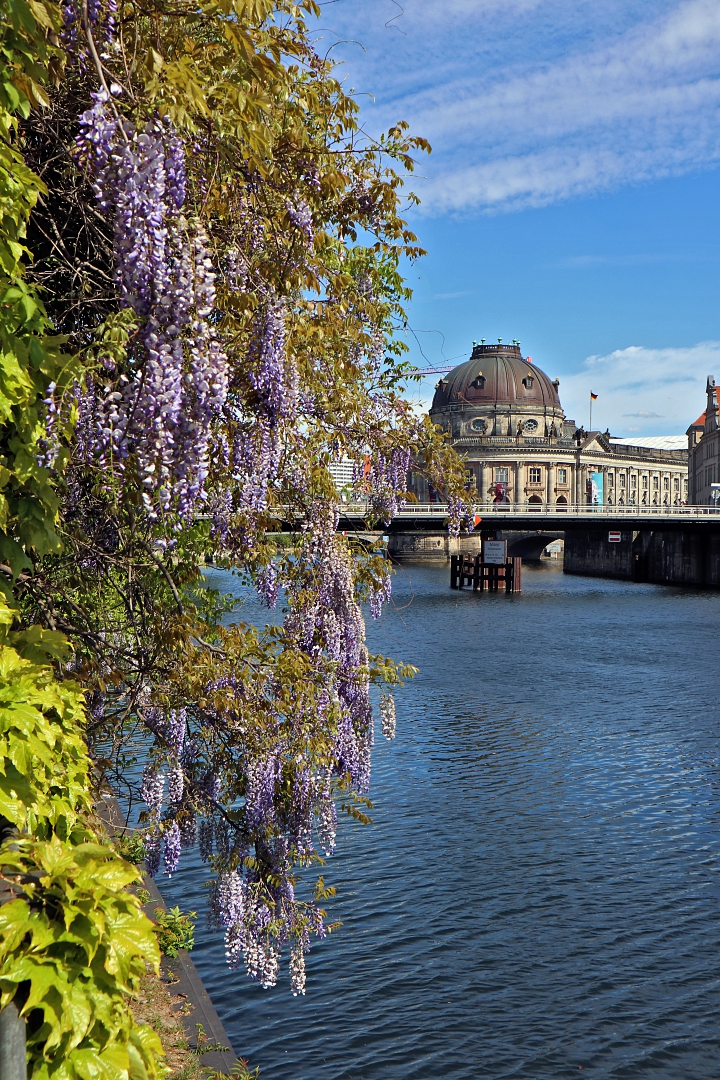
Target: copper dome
496,375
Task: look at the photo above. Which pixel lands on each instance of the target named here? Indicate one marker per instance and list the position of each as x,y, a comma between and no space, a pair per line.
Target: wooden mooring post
485,577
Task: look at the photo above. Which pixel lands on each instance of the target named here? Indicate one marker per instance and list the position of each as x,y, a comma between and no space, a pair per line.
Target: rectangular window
685,484
645,483
676,483
633,481
610,479
622,479
535,476
656,483
501,476
666,483
562,476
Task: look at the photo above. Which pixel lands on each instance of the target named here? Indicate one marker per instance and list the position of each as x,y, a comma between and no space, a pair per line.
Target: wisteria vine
211,400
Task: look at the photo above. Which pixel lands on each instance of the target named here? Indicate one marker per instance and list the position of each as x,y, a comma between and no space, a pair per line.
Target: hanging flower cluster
288,804
459,516
101,19
258,918
383,482
387,715
160,415
254,329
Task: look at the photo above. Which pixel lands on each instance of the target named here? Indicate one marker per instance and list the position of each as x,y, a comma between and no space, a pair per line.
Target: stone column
551,470
519,467
486,479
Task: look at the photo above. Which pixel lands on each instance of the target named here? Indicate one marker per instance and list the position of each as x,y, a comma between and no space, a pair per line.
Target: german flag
594,397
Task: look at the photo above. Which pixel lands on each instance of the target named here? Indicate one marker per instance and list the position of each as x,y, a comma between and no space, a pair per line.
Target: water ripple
539,895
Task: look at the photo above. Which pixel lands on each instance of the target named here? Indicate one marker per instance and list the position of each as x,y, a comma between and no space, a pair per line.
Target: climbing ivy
74,946
73,940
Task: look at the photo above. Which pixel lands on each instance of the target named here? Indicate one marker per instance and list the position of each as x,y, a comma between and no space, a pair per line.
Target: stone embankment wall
418,545
659,557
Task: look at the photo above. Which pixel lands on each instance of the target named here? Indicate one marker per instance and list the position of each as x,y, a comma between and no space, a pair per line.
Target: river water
539,894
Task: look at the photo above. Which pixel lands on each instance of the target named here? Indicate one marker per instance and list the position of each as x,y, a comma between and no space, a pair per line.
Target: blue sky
572,197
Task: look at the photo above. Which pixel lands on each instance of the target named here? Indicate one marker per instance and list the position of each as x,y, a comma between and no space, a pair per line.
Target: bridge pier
675,545
660,557
439,546
431,546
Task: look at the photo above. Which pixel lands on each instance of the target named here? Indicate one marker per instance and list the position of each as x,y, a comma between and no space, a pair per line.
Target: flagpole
590,410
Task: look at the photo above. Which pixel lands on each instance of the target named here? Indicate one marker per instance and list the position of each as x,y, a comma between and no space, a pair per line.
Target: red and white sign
614,537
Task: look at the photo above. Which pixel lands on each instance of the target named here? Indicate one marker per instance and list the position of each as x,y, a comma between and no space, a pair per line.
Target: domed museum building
505,418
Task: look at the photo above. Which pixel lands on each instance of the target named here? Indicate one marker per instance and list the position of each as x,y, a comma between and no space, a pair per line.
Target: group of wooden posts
488,571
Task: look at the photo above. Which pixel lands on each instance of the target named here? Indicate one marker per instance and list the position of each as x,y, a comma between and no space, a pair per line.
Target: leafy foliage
131,848
175,930
220,245
44,765
73,940
74,945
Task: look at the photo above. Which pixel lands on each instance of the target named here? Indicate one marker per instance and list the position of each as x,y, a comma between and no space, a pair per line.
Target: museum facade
505,419
704,450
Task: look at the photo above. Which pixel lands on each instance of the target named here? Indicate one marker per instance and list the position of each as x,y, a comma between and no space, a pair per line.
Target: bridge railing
501,510
582,509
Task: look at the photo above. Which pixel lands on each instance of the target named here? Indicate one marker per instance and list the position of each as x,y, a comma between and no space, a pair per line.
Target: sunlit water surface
538,896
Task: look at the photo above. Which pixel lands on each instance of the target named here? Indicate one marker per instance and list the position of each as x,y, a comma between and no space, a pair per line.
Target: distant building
703,437
505,418
342,473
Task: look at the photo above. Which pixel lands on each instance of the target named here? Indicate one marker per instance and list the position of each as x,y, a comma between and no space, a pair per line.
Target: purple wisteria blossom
274,374
153,787
379,596
171,848
385,483
268,586
387,715
164,412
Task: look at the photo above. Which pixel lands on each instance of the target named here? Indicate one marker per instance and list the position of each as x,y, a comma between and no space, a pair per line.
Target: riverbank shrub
175,930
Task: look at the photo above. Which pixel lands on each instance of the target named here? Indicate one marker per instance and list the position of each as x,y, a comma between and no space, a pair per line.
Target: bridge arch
530,545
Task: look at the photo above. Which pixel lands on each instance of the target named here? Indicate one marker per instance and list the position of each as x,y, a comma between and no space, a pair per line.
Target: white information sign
495,552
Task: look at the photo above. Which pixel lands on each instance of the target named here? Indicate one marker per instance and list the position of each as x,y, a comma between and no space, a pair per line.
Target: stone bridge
661,544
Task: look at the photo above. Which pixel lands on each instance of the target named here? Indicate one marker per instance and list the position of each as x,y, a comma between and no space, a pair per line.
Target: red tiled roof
700,422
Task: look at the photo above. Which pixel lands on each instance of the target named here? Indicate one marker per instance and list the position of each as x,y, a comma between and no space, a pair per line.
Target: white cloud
664,388
540,100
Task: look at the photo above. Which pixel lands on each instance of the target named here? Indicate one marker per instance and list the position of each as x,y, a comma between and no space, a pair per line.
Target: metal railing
485,510
606,510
